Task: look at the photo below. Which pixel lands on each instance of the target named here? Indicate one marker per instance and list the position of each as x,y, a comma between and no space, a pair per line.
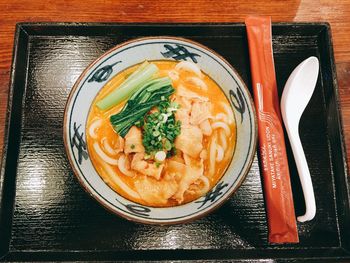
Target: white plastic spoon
296,95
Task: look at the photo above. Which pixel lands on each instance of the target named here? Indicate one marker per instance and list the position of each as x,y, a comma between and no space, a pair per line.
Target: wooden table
334,12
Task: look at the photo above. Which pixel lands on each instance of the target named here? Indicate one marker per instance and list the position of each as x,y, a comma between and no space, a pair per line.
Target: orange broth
216,97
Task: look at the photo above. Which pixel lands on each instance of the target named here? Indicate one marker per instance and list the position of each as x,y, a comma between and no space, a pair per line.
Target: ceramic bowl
128,54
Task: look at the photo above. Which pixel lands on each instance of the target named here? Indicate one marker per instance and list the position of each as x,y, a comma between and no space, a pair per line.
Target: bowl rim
211,208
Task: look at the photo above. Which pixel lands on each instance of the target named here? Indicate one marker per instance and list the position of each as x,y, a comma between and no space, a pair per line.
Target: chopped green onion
156,133
160,130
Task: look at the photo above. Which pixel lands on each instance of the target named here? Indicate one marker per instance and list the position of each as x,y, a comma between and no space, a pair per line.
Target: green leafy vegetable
137,79
160,129
140,103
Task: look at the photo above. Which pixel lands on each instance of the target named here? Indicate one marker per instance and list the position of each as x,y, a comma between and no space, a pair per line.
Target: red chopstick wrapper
276,180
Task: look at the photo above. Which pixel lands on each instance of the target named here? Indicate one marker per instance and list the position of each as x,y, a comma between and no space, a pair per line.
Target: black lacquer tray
46,215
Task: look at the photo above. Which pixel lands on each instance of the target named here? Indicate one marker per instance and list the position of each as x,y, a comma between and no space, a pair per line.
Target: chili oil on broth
114,177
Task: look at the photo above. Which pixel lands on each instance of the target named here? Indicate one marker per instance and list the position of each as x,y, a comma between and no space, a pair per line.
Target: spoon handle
304,176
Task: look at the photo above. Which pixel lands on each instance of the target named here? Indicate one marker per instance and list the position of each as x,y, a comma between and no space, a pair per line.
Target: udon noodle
204,147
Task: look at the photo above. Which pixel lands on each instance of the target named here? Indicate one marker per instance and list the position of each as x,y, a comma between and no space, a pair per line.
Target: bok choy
143,74
140,103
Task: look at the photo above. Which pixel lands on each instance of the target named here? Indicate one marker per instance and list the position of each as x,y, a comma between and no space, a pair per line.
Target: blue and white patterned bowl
128,54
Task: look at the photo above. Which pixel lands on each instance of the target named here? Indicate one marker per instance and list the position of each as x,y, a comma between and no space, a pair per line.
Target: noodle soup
177,151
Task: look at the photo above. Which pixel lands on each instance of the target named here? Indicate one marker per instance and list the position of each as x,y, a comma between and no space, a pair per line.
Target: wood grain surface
334,12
